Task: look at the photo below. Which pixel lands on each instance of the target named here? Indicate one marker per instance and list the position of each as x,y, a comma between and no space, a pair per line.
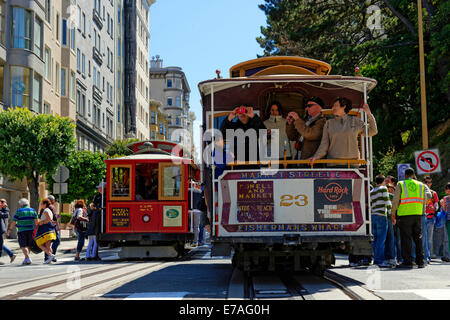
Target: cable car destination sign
291,201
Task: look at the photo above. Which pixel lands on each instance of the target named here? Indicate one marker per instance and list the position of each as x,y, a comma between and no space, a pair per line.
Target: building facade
95,74
82,59
169,86
22,69
136,78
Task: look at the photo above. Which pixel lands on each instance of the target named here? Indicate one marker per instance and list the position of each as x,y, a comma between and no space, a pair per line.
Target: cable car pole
422,79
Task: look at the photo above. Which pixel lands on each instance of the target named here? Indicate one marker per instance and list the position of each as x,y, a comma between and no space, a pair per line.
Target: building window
38,37
48,12
153,117
48,64
78,101
78,60
72,39
37,80
83,64
57,78
118,113
20,87
63,81
169,102
22,20
2,21
72,85
64,32
178,121
161,128
57,27
178,101
47,108
83,105
169,83
83,23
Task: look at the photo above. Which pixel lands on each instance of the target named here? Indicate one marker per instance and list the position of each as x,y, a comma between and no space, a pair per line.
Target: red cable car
147,201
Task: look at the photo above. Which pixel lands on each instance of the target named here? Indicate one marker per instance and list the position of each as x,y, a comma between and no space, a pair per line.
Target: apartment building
169,86
158,121
22,69
135,71
95,74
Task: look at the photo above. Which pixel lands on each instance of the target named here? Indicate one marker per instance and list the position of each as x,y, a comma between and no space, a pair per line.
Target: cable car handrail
347,162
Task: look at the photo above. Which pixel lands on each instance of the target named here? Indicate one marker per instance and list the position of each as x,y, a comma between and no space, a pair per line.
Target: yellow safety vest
412,198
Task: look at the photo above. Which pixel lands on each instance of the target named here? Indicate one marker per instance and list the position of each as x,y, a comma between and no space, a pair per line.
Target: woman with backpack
80,221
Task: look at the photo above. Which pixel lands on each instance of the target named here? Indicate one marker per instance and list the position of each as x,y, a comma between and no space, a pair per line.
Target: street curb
351,286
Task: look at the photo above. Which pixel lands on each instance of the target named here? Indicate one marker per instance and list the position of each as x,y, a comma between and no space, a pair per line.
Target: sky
201,36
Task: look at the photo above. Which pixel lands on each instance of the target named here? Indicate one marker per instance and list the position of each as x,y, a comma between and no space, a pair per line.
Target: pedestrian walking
408,208
25,218
445,205
4,217
431,209
380,205
390,248
91,232
81,223
57,241
46,233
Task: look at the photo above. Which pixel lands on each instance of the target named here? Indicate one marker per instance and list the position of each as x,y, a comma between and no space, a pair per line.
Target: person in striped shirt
25,219
380,204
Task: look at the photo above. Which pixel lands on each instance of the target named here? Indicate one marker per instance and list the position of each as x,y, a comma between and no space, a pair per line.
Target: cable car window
171,181
120,182
146,181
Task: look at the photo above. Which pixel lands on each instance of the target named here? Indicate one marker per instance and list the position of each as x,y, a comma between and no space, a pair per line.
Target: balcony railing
97,18
97,56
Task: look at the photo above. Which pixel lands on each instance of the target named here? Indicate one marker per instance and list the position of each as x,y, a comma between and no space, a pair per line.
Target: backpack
441,219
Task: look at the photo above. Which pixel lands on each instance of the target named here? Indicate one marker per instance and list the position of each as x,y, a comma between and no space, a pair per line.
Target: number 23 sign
299,200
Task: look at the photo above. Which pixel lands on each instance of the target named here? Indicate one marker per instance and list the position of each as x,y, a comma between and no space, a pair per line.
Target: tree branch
402,18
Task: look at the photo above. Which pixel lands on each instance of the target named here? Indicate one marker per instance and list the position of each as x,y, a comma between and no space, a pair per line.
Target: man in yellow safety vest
408,207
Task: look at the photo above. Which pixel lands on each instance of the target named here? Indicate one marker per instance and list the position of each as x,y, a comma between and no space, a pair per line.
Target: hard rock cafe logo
333,191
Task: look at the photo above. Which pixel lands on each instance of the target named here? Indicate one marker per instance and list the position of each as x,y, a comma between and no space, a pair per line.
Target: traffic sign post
427,161
401,167
60,187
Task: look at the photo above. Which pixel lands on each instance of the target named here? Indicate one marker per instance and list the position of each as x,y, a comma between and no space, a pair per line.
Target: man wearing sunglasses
308,132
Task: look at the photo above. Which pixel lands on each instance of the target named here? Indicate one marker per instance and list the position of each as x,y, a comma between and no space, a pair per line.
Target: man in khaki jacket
308,131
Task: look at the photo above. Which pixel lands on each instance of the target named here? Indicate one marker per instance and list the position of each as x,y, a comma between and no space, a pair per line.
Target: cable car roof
159,157
336,81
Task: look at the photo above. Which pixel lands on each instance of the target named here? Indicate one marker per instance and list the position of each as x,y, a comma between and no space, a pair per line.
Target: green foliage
119,148
336,31
65,217
33,144
86,169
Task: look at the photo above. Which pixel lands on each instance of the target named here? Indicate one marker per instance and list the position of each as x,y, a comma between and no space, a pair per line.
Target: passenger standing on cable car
276,121
307,132
99,202
340,135
247,120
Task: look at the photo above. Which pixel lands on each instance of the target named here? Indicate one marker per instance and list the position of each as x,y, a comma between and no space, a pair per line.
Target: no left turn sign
427,161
